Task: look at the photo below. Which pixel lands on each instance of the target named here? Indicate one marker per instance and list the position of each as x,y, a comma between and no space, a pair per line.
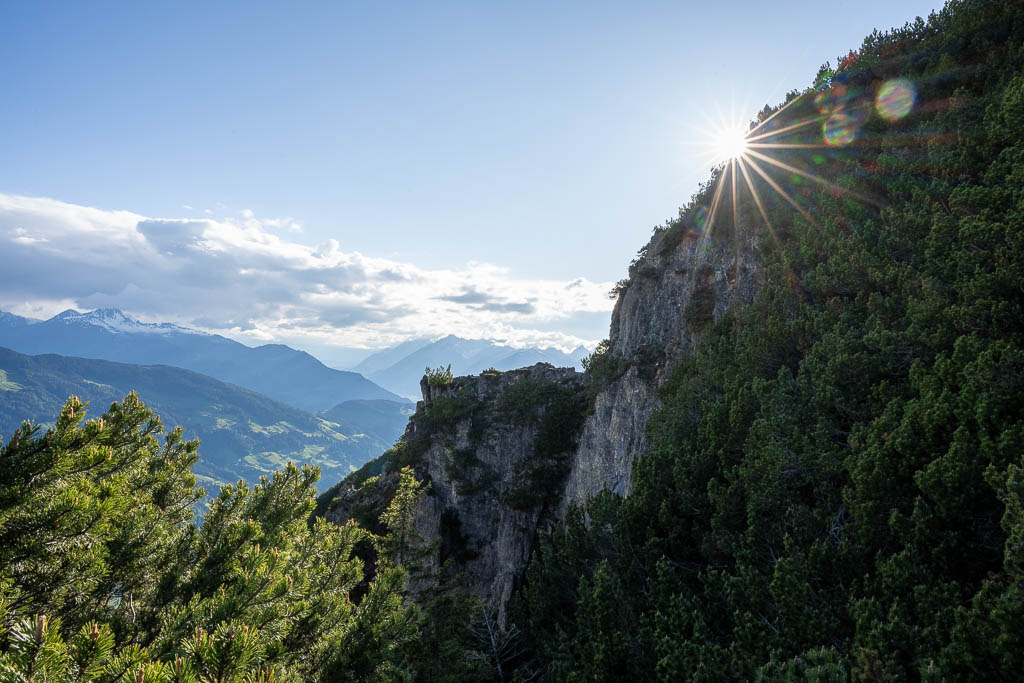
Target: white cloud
239,276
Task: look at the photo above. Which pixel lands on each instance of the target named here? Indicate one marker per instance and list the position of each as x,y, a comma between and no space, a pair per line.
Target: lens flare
895,99
836,109
700,217
831,99
839,130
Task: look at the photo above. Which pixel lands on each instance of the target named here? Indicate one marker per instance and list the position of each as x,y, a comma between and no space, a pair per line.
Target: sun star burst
729,142
741,152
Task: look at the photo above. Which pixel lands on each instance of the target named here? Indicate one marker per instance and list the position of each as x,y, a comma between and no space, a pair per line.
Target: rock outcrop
679,284
505,453
494,450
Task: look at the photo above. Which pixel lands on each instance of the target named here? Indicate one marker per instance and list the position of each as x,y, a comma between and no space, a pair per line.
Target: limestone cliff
678,284
505,453
494,451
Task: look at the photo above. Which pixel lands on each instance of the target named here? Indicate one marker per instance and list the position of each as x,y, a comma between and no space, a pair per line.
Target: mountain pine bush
105,576
833,488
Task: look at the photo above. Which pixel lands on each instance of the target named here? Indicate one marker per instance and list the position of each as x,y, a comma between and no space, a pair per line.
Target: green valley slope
378,419
243,434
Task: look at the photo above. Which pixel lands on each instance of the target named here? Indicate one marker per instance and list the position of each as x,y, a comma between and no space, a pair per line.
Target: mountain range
252,408
400,368
244,434
282,373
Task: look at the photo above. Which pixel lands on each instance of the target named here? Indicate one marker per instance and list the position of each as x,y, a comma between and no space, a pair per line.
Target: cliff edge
504,453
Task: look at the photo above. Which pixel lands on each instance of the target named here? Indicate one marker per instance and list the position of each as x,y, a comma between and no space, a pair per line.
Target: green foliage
405,453
445,411
105,576
462,641
448,651
819,664
402,454
523,402
619,288
833,487
91,507
603,366
469,474
439,377
700,309
398,516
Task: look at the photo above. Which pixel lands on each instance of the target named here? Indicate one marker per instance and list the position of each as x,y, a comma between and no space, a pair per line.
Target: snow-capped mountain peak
115,320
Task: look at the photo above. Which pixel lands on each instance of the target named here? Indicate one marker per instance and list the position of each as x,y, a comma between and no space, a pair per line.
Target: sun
743,152
729,142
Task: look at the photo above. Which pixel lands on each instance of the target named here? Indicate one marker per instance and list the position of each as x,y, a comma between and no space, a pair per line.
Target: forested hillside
833,488
380,420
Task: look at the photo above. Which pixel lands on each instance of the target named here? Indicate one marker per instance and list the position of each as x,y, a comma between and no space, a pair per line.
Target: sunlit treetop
831,116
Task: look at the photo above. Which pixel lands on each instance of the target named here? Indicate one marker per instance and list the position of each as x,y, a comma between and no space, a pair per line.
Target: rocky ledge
494,451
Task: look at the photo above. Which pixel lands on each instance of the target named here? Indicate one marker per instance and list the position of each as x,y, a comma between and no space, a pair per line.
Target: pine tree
104,576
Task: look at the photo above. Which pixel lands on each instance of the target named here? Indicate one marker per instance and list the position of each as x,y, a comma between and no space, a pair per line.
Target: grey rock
473,463
651,331
466,517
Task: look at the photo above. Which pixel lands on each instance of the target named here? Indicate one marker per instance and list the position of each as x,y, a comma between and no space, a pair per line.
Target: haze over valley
254,409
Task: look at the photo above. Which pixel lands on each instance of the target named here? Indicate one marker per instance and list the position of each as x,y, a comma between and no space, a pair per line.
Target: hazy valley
253,409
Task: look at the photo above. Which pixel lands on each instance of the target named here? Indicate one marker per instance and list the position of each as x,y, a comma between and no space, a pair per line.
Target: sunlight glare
730,143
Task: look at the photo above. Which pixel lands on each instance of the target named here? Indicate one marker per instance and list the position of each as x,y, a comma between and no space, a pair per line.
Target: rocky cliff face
505,453
679,284
494,450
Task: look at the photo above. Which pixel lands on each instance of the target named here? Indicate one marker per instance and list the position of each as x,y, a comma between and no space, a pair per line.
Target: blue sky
543,139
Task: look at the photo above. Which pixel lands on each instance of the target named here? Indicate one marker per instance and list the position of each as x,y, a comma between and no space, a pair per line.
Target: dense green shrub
603,366
469,474
559,415
103,575
619,288
444,412
833,487
522,403
700,309
439,377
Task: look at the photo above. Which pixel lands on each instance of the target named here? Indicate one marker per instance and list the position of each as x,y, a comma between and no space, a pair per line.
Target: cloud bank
238,276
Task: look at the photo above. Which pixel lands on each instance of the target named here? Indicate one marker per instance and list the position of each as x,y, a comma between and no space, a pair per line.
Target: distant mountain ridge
12,320
385,358
114,320
400,368
243,434
282,373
